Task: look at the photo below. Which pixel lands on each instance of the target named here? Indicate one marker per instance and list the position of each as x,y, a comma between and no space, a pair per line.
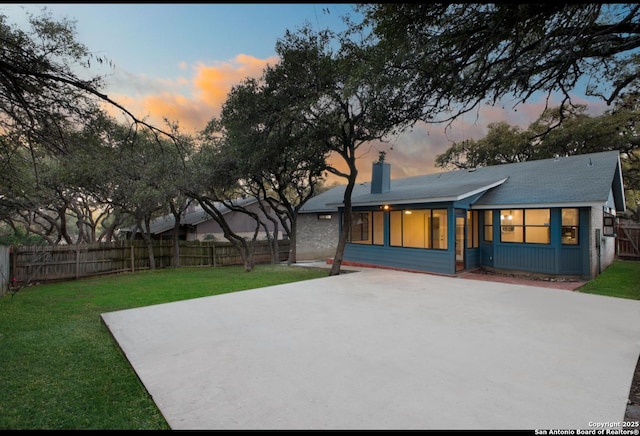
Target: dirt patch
633,405
567,283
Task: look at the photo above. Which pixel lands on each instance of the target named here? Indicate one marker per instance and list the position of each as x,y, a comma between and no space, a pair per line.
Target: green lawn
61,369
621,279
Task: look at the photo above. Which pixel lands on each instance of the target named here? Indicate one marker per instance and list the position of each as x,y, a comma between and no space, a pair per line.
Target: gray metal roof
580,179
193,216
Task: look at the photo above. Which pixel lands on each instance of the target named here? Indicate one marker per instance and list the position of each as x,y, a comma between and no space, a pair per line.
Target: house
197,225
551,217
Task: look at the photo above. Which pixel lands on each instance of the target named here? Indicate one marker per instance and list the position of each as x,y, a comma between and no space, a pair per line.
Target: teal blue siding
552,259
525,257
472,258
571,260
415,259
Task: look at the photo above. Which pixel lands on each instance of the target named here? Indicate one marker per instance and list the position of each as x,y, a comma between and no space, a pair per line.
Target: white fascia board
535,205
433,199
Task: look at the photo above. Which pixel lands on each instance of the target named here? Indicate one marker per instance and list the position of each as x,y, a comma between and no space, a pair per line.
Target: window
367,228
378,228
488,225
536,226
608,224
421,228
395,228
525,225
324,216
439,229
360,229
512,225
570,226
472,229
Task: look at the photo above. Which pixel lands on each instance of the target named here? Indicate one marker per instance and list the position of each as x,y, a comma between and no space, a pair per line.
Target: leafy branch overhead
454,57
41,90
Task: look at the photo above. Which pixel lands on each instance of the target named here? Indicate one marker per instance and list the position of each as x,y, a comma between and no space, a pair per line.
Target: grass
620,279
61,369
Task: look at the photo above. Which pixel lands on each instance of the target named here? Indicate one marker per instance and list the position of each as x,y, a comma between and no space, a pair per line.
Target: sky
179,61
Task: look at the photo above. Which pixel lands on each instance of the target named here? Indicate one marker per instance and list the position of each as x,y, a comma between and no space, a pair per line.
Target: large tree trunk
146,234
246,250
342,242
346,215
292,240
176,242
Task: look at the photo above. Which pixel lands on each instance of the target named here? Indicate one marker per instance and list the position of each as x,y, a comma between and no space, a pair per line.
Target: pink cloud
191,101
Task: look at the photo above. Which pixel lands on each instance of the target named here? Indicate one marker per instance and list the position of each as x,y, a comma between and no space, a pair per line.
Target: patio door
460,239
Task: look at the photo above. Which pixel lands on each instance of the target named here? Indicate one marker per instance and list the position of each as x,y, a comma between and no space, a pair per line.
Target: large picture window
367,228
525,225
421,228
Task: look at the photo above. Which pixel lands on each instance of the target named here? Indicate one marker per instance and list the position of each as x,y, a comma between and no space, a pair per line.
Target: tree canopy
455,57
579,133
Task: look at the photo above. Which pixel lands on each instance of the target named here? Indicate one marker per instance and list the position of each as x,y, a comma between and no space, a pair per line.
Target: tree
47,192
578,133
454,57
277,160
502,144
41,89
214,183
45,102
344,101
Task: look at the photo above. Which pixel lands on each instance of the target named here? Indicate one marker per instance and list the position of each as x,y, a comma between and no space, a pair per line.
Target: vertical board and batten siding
414,259
533,258
572,261
53,263
553,258
5,268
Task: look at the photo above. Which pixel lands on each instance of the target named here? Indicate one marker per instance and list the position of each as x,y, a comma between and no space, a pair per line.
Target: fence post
77,262
132,258
5,269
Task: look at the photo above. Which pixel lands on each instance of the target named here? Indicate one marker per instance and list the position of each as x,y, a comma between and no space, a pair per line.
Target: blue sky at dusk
179,61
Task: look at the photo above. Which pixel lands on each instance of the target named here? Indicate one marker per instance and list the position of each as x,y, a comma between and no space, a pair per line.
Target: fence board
628,241
5,268
32,264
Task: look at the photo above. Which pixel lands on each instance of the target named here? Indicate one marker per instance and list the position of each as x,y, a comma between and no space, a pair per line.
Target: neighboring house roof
191,217
578,180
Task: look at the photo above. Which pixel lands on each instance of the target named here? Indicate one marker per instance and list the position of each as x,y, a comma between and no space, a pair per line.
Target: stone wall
601,259
317,239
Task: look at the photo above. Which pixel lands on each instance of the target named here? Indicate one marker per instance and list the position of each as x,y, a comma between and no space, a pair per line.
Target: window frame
574,229
521,226
398,241
487,228
372,238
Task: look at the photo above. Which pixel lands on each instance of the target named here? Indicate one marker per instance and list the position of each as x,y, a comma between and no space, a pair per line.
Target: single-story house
551,217
197,225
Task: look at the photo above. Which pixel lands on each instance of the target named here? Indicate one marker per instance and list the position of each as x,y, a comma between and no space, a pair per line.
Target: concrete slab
381,349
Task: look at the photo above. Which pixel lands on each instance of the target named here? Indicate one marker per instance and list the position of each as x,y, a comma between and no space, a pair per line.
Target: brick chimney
380,176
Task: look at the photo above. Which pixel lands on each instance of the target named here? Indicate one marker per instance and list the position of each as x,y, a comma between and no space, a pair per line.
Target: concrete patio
382,349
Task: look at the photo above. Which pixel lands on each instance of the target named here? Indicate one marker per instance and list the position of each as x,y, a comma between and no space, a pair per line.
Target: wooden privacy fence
35,263
628,241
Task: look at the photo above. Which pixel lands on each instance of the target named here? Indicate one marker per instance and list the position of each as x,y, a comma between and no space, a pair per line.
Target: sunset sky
179,61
